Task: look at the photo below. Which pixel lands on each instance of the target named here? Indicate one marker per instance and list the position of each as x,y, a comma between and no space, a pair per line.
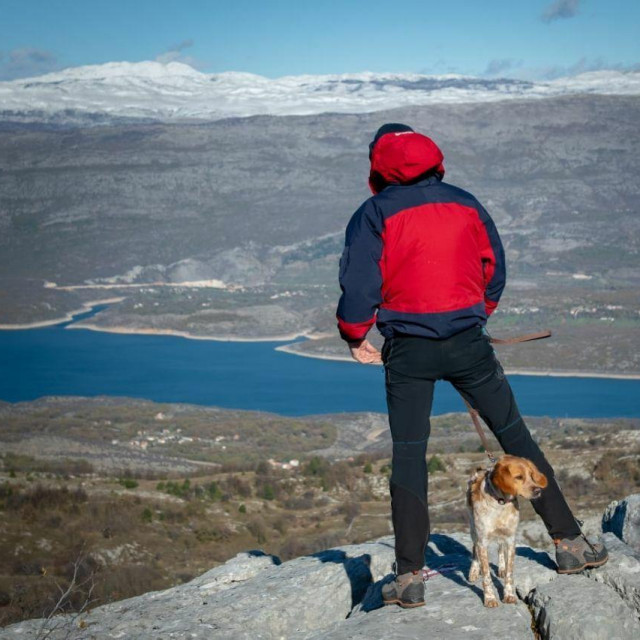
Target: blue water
251,375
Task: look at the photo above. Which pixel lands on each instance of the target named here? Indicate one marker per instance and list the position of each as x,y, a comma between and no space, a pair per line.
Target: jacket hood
401,157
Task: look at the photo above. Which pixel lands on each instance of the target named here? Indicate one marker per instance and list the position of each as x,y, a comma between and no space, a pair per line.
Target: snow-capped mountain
175,91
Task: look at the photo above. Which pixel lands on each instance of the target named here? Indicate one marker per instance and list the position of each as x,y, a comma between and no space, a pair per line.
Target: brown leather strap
475,418
538,335
476,423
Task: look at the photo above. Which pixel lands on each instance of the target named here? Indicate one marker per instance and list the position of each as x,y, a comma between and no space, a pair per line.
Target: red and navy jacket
421,257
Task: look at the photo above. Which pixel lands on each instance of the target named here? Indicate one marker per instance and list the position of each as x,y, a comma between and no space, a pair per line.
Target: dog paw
501,572
511,599
491,603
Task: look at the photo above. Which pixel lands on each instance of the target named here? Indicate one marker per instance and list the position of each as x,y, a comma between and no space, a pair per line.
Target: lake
251,375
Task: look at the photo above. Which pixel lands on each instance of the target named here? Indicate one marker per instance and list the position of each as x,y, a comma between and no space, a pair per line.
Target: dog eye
518,477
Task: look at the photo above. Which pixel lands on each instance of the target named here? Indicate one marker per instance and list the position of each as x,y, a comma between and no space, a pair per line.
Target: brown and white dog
492,501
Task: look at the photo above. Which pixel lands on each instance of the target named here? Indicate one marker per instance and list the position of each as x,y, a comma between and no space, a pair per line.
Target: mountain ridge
174,91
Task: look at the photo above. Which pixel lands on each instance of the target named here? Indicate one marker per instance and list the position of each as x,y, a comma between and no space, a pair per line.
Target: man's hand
364,352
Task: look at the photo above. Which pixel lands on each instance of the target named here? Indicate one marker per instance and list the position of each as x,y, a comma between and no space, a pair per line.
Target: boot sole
587,565
405,605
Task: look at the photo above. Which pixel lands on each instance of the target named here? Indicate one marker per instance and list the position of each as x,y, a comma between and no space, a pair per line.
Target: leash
445,568
475,418
476,423
527,337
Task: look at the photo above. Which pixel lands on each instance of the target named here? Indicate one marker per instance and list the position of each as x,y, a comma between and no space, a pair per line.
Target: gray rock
622,517
336,594
277,601
577,608
532,568
454,606
622,572
239,569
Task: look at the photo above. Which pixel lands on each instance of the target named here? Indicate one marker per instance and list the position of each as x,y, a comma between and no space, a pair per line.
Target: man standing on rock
423,260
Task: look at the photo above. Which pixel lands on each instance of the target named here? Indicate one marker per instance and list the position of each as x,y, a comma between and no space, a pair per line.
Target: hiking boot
573,556
407,590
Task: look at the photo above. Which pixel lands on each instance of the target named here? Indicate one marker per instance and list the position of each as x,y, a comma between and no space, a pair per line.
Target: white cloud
499,66
581,66
175,54
26,62
560,9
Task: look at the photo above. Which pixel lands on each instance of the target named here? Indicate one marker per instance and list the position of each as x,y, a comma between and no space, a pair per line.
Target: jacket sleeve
493,261
360,276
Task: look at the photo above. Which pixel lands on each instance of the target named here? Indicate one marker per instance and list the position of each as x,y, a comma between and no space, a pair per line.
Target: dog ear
501,477
538,477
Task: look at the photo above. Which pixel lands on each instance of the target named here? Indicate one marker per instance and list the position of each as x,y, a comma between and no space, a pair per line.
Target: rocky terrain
119,435
336,594
144,496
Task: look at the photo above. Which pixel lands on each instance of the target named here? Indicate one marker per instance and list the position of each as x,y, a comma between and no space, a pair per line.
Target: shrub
213,534
317,466
147,515
281,524
263,468
436,464
180,490
40,497
128,483
293,548
258,529
236,486
242,509
299,504
368,468
213,491
350,510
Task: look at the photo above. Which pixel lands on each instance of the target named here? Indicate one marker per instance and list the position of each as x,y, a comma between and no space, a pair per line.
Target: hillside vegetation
158,519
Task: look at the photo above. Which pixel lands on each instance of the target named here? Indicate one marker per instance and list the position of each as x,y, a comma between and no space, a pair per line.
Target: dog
492,501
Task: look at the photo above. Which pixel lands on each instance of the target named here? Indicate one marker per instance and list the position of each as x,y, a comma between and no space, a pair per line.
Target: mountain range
175,92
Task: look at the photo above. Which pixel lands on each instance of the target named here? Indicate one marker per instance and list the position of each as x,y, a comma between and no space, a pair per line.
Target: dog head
518,477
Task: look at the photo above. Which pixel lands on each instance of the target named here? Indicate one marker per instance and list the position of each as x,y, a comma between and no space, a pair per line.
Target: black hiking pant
467,360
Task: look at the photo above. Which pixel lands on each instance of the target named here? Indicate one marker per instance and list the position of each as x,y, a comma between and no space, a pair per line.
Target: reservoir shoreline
555,373
284,348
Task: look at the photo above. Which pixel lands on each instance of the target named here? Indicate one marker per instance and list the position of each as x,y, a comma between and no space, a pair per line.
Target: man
423,260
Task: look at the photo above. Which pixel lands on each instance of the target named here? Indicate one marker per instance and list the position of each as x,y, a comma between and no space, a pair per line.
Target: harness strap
494,492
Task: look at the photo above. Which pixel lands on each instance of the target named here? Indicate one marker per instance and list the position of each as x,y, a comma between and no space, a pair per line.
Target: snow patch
175,91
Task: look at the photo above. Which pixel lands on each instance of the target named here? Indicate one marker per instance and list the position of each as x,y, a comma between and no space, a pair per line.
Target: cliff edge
335,594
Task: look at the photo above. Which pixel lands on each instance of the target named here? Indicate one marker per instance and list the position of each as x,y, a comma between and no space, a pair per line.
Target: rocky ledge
335,594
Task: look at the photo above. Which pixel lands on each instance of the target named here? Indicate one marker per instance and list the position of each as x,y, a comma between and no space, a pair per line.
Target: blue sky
521,38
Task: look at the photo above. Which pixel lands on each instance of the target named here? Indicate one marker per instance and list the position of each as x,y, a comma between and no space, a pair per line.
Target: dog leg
502,551
490,599
474,570
509,593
